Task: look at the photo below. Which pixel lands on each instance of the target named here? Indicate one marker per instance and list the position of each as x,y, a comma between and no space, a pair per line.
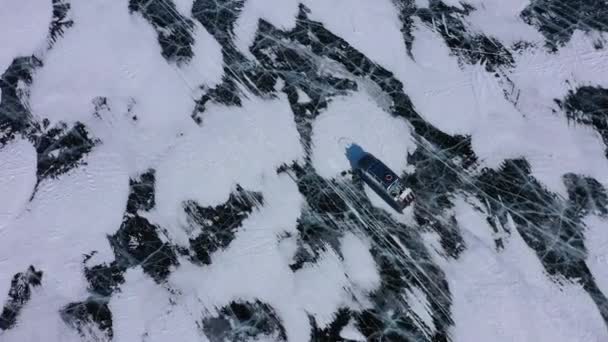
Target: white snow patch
500,130
254,267
122,62
507,296
302,96
453,3
24,26
436,80
40,320
280,13
142,308
501,19
315,294
596,241
184,7
288,247
543,76
546,140
419,303
368,25
17,178
422,3
350,332
206,66
359,263
55,239
358,119
241,145
539,132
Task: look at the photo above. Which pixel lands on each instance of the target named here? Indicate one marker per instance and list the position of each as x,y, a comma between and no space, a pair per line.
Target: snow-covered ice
174,169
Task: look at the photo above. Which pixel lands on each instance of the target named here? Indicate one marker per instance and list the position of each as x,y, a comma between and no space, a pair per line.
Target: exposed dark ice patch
91,318
300,69
19,294
437,153
61,149
326,215
141,195
404,263
244,321
588,106
450,23
218,17
174,30
61,20
137,243
324,220
100,106
326,44
299,58
15,117
558,19
550,226
217,226
225,93
587,195
320,194
318,226
435,182
102,109
311,43
472,48
332,331
441,162
104,278
406,9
